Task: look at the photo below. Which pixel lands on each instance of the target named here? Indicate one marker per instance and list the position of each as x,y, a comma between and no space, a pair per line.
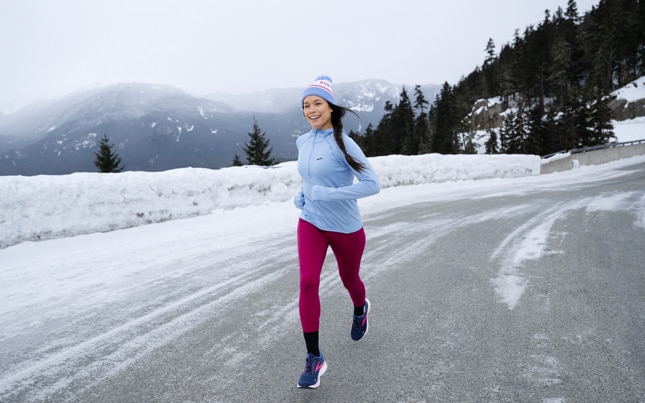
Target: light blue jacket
329,192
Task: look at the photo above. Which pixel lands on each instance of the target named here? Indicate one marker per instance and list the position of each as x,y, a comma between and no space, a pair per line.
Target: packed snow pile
43,207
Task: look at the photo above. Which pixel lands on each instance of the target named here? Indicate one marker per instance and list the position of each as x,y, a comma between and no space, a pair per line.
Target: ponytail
337,121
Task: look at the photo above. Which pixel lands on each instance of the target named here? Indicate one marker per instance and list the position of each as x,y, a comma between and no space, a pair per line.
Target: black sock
311,340
359,310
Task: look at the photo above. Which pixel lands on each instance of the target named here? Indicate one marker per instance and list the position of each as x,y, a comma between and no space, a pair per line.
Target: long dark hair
337,114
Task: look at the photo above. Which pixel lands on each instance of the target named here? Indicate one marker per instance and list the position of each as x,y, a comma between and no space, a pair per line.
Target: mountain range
156,127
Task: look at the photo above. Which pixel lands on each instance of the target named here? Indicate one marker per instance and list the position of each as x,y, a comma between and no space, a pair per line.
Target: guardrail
594,148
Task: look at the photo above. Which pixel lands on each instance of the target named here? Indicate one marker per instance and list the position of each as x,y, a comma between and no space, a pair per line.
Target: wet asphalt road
538,297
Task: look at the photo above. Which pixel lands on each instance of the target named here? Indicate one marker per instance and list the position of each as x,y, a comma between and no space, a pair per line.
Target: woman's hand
299,200
319,193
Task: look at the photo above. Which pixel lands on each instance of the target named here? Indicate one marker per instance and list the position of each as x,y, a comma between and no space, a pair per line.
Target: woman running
328,162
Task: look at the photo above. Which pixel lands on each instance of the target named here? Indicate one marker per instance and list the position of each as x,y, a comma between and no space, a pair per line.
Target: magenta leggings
312,248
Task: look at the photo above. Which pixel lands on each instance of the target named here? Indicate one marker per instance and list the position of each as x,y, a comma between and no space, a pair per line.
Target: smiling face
317,112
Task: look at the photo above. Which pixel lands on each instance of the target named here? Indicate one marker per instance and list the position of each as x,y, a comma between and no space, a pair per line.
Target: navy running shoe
315,367
359,323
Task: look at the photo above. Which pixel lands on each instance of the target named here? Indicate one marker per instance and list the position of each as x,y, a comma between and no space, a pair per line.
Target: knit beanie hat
320,87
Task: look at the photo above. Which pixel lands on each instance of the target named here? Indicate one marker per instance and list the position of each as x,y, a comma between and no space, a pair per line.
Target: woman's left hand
319,193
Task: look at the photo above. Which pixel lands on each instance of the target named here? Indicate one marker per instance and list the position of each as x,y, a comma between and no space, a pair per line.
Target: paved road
536,297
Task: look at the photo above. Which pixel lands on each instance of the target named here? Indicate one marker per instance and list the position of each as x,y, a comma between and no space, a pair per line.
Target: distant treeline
552,82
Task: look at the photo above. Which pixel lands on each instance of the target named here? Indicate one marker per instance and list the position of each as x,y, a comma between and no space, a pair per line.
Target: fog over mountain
156,127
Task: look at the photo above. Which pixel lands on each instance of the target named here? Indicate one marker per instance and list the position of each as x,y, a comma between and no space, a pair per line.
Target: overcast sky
49,48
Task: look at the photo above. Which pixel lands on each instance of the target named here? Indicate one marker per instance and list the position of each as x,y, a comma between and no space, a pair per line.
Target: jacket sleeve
367,184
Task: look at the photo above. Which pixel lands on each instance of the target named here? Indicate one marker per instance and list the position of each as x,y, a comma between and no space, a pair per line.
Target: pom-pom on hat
320,87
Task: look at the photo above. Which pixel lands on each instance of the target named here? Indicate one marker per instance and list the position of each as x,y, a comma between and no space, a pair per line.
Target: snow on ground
630,130
632,91
45,207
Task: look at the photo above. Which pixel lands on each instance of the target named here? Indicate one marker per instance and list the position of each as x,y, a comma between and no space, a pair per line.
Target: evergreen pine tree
380,141
520,129
469,146
401,134
237,162
367,141
505,71
105,159
488,69
559,71
506,134
601,127
445,119
512,133
536,131
582,124
550,137
572,11
566,126
491,143
572,34
257,151
421,122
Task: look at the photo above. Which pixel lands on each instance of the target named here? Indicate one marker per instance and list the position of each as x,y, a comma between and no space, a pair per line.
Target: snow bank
44,207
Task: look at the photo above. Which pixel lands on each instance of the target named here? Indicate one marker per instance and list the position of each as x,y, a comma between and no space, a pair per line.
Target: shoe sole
320,374
367,327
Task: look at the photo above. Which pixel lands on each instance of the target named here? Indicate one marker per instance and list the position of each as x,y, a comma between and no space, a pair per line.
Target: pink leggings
312,248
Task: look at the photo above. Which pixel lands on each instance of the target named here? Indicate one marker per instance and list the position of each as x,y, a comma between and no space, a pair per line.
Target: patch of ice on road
640,213
627,201
544,370
510,287
527,242
611,202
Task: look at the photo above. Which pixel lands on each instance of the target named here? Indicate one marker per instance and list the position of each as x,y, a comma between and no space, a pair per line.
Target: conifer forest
548,90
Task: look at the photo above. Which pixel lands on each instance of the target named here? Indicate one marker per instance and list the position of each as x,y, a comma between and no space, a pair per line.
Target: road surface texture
501,296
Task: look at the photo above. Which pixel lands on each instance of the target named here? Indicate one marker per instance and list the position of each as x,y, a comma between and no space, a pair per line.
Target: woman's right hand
299,200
